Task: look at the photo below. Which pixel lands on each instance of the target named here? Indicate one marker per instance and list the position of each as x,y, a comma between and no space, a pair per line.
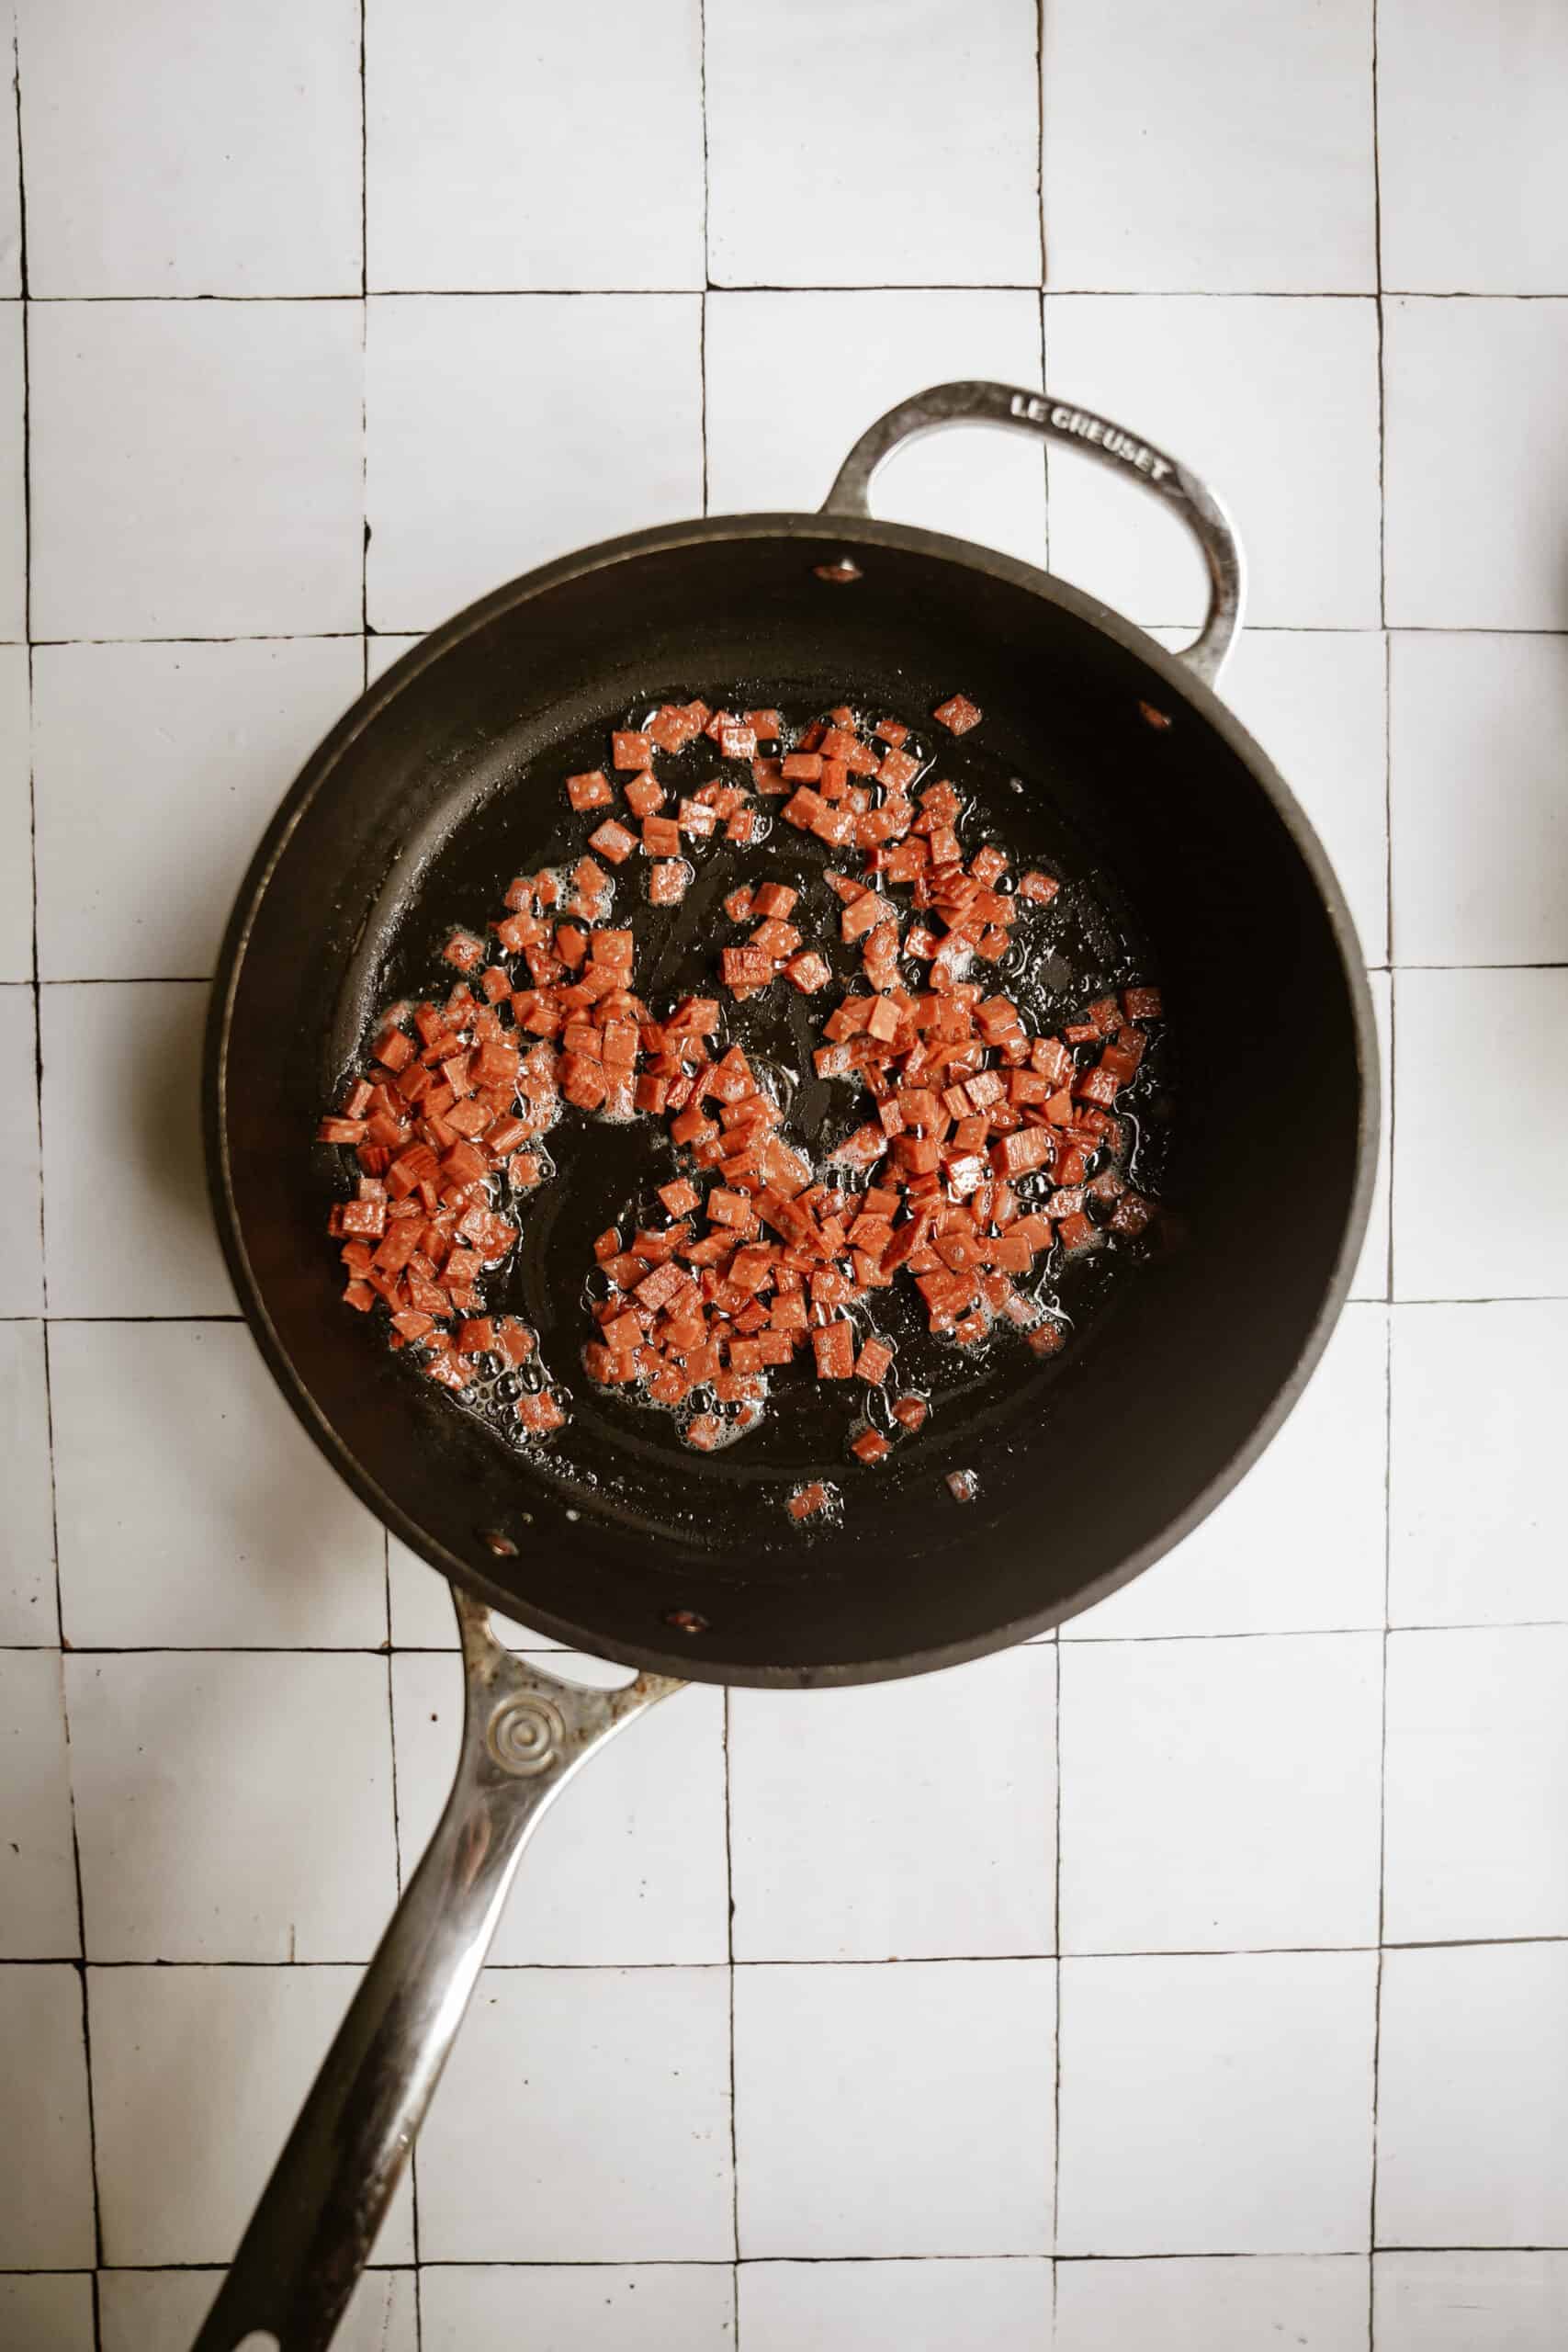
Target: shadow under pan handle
1053,420
524,1737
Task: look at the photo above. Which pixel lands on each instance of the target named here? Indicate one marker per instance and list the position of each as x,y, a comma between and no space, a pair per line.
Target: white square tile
1480,823
1230,2303
121,1092
207,2066
1277,195
21,1253
771,448
1475,1500
15,817
855,147
1472,2096
1221,384
619,2081
629,1867
197,468
1462,2303
1475,470
894,2111
193,1509
382,649
932,2306
173,154
856,1834
1204,1808
423,1617
1472,177
46,2163
38,1872
28,1611
50,2311
1371,1276
487,161
144,753
659,2307
1316,700
1299,1545
1509,1025
149,2311
1477,1784
496,430
13,467
183,1859
1216,2105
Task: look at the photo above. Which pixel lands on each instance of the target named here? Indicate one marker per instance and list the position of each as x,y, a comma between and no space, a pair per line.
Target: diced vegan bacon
962,1485
957,714
672,727
809,1501
613,841
464,951
960,1098
833,1345
809,972
541,1413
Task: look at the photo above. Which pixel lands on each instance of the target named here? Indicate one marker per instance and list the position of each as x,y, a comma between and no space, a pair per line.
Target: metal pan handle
1054,420
524,1737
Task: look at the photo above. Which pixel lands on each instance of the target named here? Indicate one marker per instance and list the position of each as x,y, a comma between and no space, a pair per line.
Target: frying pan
1185,860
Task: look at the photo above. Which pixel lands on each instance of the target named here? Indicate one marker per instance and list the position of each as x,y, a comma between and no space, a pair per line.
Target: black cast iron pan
1185,860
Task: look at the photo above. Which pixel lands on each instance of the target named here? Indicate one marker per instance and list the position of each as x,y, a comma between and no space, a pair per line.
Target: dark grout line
1045,444
364,369
730,1963
702,113
887,1960
1389,937
366,292
259,636
1388,807
1393,1113
545,1654
215,2268
1253,629
1040,151
1056,1990
204,979
78,1960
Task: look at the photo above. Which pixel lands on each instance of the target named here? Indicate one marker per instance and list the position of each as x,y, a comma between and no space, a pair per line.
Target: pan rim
1173,677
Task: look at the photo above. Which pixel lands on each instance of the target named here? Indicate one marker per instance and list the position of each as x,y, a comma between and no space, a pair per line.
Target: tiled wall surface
1205,1988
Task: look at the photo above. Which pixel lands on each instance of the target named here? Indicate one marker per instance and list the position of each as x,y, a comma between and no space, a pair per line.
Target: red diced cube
957,714
613,841
809,972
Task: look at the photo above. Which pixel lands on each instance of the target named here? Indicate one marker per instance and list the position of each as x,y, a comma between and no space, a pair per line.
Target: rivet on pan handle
525,1735
1054,420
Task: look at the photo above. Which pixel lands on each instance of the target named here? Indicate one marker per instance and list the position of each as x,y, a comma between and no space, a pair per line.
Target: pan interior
1177,868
